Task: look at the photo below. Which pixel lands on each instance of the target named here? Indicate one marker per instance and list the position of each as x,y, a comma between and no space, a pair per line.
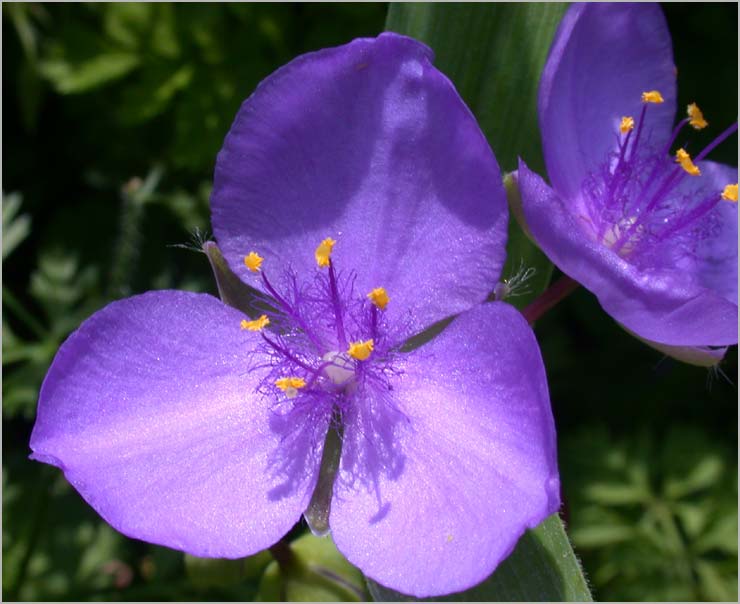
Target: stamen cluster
327,346
639,198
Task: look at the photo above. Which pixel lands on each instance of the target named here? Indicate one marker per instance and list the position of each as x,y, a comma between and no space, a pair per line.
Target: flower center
636,200
324,342
339,368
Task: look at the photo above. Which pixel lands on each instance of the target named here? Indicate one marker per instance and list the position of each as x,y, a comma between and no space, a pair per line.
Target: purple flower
357,192
630,215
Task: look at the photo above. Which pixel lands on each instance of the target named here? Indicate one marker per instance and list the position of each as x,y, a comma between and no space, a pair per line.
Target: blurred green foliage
657,518
113,115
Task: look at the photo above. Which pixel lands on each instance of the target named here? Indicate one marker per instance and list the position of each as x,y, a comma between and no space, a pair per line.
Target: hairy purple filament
337,304
631,212
313,325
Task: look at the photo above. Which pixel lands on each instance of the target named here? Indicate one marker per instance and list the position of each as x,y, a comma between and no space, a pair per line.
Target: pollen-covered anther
253,261
683,158
729,193
257,325
652,96
627,124
696,117
379,297
290,385
323,252
360,350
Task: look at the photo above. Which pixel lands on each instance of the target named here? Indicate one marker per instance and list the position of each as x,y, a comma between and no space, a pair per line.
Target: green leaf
607,493
541,568
602,535
153,92
16,227
494,54
74,78
713,584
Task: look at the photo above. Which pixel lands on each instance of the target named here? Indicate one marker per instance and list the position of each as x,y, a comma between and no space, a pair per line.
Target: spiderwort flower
356,190
643,223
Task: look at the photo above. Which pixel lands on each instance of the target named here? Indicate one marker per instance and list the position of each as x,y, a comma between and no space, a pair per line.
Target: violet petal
715,263
371,145
151,411
604,56
476,462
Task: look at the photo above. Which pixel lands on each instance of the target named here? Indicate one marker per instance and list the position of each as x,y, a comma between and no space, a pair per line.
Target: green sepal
231,289
311,569
522,250
206,573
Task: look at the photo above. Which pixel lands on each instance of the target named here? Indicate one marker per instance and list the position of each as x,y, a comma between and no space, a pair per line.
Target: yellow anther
379,297
626,124
696,117
323,252
253,261
257,324
730,193
360,350
684,159
290,382
290,385
652,96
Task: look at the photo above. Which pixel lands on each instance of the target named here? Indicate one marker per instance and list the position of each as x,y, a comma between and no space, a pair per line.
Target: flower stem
282,553
549,298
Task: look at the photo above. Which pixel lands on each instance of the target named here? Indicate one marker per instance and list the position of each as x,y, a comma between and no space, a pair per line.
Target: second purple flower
649,227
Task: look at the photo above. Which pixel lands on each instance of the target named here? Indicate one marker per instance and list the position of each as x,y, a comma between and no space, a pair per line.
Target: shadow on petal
371,447
302,425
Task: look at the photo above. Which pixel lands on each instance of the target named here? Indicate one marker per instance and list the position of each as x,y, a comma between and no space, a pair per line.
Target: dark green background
648,446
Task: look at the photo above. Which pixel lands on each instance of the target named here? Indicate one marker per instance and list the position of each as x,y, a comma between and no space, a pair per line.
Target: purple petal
150,409
604,56
665,306
475,462
716,260
371,145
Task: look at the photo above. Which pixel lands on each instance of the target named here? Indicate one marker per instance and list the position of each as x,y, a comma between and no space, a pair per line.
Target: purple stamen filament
309,344
639,131
374,321
337,304
710,147
284,351
674,135
636,219
290,311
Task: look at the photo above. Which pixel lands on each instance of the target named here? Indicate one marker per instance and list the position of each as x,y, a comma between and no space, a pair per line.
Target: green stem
283,554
